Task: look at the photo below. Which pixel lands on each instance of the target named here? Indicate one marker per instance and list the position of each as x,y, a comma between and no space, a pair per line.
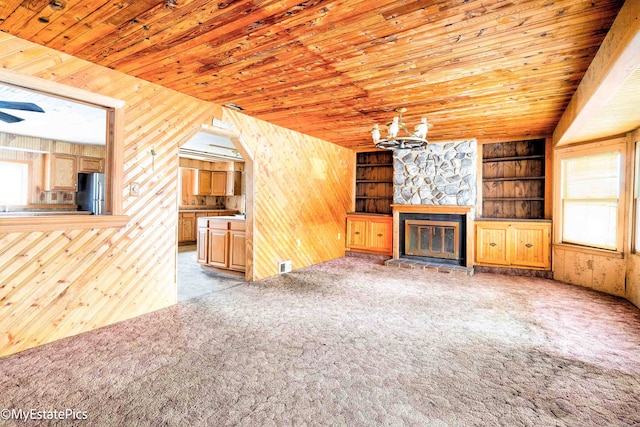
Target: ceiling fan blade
24,106
8,118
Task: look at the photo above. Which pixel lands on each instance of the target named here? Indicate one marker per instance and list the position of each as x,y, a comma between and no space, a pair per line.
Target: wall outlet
284,267
339,235
134,189
298,242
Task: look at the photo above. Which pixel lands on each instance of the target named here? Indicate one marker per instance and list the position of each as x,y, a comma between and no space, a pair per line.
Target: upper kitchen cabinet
211,183
90,165
234,183
203,187
61,172
218,183
188,178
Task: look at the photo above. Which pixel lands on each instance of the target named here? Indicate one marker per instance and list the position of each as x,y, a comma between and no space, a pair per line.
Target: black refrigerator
90,196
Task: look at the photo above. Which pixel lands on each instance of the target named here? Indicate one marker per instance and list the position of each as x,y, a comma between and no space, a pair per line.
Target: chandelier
412,141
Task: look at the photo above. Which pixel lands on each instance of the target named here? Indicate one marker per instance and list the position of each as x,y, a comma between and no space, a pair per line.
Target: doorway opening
214,231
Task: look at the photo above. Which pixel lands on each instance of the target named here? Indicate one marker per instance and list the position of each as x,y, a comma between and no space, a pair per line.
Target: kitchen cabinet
61,172
90,165
187,184
186,227
234,183
237,246
217,247
513,244
211,183
218,183
222,243
204,183
370,233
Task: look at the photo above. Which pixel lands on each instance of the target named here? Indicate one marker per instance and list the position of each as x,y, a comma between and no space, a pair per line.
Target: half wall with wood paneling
56,284
303,189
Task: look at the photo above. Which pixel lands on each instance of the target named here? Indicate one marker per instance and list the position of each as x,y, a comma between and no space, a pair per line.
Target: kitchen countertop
203,209
204,220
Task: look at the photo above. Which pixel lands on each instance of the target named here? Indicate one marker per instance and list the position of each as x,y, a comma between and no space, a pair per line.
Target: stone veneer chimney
442,174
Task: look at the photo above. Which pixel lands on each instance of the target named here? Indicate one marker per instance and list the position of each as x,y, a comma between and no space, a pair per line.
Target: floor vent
284,267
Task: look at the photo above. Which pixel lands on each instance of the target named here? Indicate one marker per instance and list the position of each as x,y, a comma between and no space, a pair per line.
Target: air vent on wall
284,267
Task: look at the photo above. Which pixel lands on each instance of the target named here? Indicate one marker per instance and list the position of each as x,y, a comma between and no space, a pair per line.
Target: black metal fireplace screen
437,239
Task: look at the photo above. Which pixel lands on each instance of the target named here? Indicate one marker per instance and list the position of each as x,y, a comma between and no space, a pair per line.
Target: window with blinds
15,176
590,199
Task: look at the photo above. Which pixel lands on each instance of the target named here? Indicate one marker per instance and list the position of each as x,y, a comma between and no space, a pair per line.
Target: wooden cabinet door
218,245
202,245
180,231
189,227
218,183
237,250
491,243
356,233
381,235
530,245
90,165
234,183
204,183
61,173
187,184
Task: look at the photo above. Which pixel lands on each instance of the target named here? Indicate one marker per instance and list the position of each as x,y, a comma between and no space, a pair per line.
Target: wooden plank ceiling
490,69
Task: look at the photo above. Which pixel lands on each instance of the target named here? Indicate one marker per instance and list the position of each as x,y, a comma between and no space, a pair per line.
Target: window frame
618,145
114,161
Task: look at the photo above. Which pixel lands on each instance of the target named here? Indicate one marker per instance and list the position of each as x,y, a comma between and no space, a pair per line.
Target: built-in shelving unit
374,182
513,179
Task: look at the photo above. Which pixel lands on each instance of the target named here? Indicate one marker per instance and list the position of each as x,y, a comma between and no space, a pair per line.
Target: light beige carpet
350,343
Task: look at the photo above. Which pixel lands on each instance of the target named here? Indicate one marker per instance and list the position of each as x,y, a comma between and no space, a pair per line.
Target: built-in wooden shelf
512,158
374,182
513,181
512,199
515,178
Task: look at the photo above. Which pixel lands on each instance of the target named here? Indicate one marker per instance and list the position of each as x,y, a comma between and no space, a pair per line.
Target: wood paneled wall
632,285
61,283
303,189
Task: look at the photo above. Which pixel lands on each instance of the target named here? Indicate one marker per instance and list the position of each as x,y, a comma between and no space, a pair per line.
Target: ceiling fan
23,106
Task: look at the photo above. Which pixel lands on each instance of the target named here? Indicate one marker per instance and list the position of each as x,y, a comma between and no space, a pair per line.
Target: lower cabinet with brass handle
516,244
369,233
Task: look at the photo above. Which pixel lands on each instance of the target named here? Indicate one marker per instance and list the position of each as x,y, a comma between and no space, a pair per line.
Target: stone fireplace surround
440,180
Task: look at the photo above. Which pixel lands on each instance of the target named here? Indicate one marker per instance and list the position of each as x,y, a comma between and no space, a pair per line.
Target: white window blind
15,176
591,192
